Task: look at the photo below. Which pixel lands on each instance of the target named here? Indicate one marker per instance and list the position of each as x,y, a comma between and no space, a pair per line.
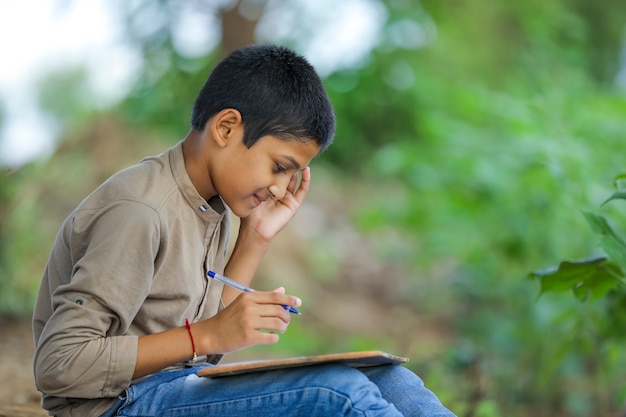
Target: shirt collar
213,209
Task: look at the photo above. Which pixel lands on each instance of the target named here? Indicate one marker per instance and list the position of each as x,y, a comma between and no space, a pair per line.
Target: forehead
297,152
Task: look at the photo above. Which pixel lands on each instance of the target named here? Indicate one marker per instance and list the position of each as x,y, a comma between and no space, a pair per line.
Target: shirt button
203,208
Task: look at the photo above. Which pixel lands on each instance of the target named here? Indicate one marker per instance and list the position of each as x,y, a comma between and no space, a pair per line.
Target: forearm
160,350
244,261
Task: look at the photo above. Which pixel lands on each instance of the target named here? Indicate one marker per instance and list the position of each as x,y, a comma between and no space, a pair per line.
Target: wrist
250,244
249,234
194,355
202,339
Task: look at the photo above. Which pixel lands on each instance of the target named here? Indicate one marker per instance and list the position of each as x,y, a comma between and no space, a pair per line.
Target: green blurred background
470,135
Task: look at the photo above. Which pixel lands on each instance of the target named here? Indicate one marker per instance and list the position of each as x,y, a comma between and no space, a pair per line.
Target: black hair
276,91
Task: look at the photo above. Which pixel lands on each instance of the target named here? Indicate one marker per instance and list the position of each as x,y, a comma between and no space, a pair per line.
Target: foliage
599,280
480,161
482,201
474,129
593,277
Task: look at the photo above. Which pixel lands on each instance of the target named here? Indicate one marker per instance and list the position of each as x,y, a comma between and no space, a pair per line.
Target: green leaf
597,223
590,277
612,244
617,181
615,248
618,195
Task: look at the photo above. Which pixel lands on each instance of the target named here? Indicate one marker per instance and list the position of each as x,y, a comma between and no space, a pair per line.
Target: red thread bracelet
193,344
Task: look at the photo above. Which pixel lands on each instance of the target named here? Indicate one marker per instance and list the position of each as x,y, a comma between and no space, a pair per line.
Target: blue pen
243,288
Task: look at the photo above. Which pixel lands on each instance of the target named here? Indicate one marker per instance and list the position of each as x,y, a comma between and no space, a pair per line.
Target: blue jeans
323,390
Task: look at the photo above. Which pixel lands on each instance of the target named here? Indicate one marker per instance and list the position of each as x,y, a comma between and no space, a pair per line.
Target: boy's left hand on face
270,217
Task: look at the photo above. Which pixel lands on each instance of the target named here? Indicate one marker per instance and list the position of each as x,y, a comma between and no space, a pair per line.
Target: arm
99,274
258,230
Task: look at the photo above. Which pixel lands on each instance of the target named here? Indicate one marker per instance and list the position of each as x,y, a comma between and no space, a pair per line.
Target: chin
240,212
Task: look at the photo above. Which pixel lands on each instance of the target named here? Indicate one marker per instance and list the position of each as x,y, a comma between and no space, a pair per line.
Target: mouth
257,200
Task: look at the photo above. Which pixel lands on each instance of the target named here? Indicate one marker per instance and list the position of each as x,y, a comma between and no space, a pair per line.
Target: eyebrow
293,162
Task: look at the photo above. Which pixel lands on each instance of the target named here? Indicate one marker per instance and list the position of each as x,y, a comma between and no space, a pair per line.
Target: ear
225,124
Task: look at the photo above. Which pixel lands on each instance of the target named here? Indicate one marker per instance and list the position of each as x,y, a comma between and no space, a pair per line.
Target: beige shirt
130,260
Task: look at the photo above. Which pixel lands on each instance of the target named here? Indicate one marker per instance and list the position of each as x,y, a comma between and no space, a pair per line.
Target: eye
281,169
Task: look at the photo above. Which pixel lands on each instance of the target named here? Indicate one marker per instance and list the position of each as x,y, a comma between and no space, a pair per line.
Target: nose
279,187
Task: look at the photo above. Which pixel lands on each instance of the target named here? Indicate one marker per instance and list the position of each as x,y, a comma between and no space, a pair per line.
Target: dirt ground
18,395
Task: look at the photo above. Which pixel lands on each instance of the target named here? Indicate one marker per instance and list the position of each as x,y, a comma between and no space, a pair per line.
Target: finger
272,324
267,338
271,303
305,183
293,181
279,290
284,299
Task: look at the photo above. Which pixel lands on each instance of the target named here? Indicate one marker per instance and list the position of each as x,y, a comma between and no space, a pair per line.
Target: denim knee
403,388
361,397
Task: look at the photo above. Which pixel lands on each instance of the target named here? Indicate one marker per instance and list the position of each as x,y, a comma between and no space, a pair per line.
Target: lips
257,200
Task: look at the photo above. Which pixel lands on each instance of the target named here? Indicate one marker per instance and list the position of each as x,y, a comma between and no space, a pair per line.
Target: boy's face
246,177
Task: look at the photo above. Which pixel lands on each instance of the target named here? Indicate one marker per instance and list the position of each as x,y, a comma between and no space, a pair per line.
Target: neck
196,165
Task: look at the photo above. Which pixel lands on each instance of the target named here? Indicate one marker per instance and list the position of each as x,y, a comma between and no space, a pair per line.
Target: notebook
352,359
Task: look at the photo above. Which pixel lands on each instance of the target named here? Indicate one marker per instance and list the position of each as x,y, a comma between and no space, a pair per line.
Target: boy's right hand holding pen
253,318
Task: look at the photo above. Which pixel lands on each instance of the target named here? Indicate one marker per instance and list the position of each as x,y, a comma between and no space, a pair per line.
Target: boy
128,268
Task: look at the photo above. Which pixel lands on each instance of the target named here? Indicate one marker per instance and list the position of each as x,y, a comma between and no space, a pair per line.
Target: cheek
253,176
246,174
242,183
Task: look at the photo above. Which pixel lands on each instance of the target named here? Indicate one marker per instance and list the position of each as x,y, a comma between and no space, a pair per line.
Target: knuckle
247,296
280,325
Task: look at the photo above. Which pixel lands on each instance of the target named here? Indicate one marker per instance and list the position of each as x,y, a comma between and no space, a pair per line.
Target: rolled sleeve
75,359
85,349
